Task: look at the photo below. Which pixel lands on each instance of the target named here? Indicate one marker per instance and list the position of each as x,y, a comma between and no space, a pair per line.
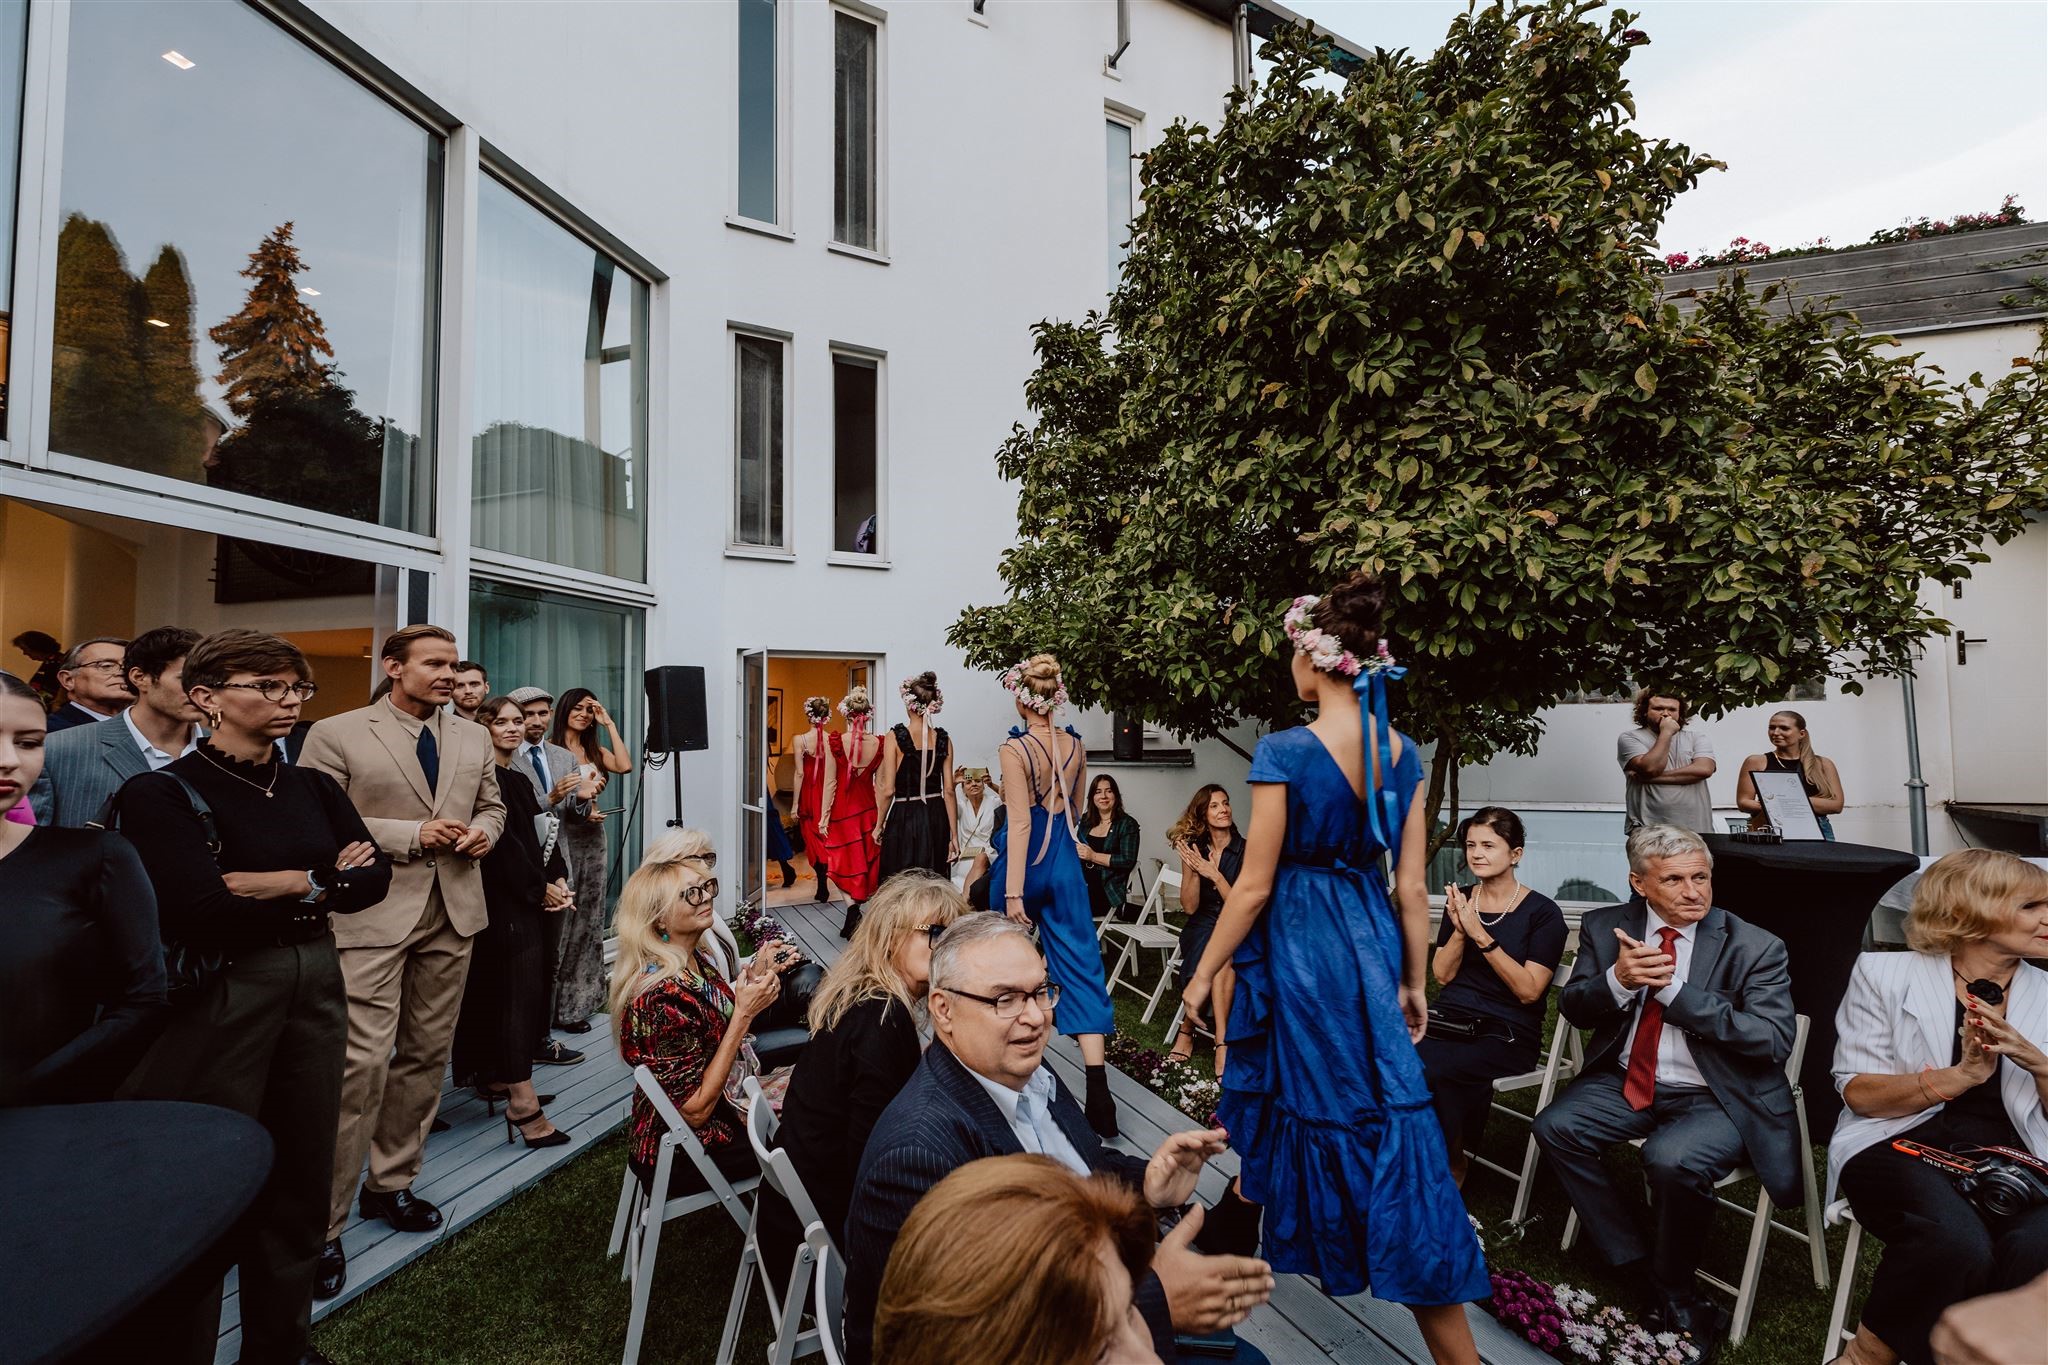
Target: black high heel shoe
515,1126
493,1097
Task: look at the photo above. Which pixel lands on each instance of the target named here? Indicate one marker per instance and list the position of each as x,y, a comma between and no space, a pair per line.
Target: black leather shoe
332,1271
580,1026
402,1209
440,1125
552,1053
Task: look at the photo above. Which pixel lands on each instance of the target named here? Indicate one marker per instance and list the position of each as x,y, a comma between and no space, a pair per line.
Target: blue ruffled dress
1324,1096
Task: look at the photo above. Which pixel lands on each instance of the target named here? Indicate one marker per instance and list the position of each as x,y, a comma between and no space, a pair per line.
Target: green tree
1413,324
275,343
170,374
98,400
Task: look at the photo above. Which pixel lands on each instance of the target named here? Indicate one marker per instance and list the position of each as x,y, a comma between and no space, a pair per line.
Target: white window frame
878,18
879,558
1113,112
783,225
734,547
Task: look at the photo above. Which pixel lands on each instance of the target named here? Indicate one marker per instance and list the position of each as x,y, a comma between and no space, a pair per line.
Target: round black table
105,1203
1817,897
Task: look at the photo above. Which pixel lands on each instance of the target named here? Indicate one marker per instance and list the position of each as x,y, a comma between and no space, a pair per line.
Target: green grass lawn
530,1285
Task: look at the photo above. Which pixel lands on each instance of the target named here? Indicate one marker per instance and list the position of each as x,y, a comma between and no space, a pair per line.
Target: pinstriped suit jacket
82,767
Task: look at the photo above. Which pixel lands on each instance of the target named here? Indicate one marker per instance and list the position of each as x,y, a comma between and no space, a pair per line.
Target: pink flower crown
855,703
1013,683
1325,650
917,708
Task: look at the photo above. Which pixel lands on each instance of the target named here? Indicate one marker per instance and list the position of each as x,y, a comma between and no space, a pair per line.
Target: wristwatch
316,886
1490,947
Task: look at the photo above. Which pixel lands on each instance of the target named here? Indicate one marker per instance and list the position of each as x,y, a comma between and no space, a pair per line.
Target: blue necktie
540,769
430,757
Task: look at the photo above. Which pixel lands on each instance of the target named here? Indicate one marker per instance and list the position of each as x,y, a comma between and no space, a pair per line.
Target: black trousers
1938,1250
1461,1073
1690,1142
267,1038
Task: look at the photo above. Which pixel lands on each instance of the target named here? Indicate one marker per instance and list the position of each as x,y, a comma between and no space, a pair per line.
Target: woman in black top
864,1047
81,970
1211,857
916,823
1497,950
1109,848
259,1018
505,1003
1791,752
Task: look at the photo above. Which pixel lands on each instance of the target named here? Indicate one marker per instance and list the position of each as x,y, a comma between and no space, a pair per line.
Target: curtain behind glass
560,394
1120,197
853,145
757,108
528,638
759,439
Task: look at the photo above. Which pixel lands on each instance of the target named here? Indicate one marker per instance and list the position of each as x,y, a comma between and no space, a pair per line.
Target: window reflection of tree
126,382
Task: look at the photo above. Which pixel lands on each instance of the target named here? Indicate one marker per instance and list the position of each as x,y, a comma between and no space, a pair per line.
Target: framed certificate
1786,805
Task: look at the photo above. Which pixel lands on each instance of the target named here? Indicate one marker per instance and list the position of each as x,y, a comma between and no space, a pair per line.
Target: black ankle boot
1100,1106
852,920
788,875
1230,1227
824,889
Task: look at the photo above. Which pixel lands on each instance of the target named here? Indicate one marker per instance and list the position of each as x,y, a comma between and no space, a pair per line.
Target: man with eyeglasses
983,1090
93,683
84,766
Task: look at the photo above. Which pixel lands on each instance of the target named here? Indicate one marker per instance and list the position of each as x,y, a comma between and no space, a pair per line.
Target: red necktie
1641,1083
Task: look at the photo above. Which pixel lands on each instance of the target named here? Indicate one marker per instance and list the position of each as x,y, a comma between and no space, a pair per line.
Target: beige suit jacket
373,756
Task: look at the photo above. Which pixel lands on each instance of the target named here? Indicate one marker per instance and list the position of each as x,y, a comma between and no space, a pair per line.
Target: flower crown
1325,650
916,707
856,703
818,709
1013,683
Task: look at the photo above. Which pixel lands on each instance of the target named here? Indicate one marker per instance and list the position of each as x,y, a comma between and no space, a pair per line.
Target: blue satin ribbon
1382,810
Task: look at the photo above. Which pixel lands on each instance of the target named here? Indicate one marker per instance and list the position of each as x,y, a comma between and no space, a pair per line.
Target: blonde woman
1943,1046
1791,752
864,1043
848,818
679,1016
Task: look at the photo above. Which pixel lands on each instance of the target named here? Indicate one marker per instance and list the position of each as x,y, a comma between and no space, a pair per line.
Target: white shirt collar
154,756
1654,922
1005,1098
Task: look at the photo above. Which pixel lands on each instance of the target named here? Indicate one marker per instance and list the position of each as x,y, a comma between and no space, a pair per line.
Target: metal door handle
1963,643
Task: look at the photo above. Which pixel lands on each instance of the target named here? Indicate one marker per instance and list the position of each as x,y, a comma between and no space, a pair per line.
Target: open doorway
773,686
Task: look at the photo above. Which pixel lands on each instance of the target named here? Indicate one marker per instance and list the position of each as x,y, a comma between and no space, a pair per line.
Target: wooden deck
1302,1325
471,1169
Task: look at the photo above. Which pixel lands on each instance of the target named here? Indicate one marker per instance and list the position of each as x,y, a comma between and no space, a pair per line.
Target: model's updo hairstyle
1355,611
817,709
1040,676
856,702
923,689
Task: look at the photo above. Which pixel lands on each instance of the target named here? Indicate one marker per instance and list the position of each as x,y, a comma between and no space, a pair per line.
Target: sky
1836,119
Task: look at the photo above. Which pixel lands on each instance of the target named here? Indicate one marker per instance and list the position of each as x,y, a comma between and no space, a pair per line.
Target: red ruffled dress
810,799
852,856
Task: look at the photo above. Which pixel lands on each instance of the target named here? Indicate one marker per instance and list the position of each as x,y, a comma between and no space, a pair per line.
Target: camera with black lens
1999,1182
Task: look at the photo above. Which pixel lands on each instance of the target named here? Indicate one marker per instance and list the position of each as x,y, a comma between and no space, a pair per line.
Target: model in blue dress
1324,1096
1035,868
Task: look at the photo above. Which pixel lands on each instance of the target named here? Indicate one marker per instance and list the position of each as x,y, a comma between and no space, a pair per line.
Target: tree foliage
274,346
1413,324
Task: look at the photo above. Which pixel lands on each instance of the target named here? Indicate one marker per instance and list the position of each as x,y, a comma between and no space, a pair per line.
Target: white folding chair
779,1173
831,1293
1149,931
1562,1060
1147,904
1761,1222
637,1227
1839,1330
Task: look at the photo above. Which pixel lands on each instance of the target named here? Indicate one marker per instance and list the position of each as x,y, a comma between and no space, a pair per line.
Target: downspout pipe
1916,785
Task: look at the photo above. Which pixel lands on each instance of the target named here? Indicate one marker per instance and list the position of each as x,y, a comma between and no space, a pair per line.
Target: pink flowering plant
1183,1085
1571,1325
1743,251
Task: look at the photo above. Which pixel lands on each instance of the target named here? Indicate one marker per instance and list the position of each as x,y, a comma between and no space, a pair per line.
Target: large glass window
529,638
856,77
758,172
246,266
856,452
13,56
757,441
561,394
1122,196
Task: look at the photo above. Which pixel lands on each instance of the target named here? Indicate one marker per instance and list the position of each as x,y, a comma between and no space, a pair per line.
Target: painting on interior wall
777,742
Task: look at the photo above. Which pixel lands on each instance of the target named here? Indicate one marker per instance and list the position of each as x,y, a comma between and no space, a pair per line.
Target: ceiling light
156,322
179,60
310,293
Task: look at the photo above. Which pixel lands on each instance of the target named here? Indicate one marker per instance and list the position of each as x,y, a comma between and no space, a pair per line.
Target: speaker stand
675,821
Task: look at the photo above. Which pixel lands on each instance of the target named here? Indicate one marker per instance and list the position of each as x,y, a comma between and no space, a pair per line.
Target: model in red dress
848,820
812,758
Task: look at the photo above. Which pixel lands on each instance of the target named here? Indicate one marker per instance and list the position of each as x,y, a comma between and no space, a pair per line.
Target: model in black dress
917,829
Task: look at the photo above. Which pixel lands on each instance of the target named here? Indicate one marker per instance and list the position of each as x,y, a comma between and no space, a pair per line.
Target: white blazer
1898,1016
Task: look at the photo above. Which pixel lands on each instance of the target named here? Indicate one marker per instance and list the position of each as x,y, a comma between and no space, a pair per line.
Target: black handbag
187,968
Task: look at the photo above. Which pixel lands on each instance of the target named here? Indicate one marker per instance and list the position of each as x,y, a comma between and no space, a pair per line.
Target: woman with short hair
1108,847
1943,1046
1016,1258
1496,953
259,1012
1791,752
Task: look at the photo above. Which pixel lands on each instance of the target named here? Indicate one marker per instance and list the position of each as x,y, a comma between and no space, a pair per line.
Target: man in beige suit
425,783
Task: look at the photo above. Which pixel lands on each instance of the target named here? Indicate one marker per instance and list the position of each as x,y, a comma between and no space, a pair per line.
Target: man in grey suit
87,764
1692,1019
566,794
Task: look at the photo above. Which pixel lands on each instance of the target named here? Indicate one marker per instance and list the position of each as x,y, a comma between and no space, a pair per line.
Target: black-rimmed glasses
701,893
932,932
1010,1004
274,689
